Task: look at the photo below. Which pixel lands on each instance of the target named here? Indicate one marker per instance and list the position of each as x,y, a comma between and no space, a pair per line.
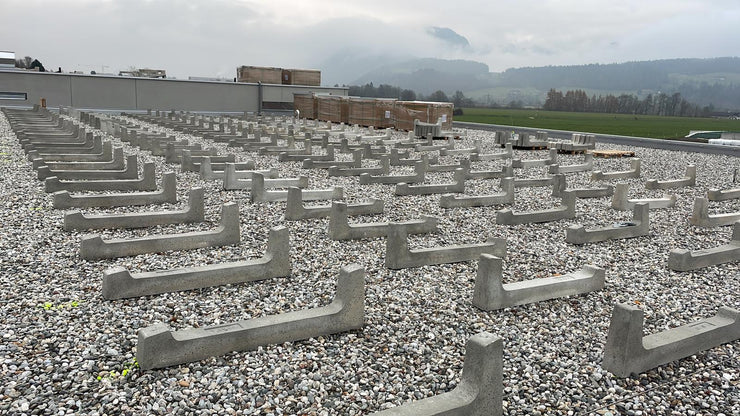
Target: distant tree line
389,91
659,104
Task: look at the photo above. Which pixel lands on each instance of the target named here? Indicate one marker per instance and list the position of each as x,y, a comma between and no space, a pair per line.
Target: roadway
614,139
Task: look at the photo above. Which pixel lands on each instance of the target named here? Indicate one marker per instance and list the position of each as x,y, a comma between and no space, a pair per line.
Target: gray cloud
211,38
449,36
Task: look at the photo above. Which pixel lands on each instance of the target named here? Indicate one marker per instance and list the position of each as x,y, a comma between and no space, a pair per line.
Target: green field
618,124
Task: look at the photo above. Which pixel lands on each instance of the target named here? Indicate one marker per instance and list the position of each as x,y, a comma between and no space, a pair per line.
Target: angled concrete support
233,178
116,162
119,283
700,217
621,203
557,182
382,169
550,160
217,171
627,352
147,182
463,164
684,260
507,154
130,172
168,194
506,172
356,162
688,180
506,197
490,293
190,163
259,193
725,195
93,247
480,392
231,184
639,226
584,167
340,229
300,157
398,255
397,161
75,220
566,211
457,186
158,346
417,177
105,155
606,190
466,151
633,172
295,210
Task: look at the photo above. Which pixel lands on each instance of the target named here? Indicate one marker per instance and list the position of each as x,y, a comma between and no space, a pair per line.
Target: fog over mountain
714,81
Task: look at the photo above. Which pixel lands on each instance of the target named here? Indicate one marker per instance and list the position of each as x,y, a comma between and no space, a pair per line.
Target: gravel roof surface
66,350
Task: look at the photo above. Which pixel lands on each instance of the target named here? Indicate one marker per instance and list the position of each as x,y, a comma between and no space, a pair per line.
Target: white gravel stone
66,349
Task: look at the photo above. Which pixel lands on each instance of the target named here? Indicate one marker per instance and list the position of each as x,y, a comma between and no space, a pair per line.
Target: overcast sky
211,38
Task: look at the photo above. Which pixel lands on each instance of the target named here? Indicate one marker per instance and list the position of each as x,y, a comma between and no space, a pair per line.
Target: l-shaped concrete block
75,220
491,294
639,226
398,255
159,347
480,392
168,194
627,352
119,283
93,247
684,260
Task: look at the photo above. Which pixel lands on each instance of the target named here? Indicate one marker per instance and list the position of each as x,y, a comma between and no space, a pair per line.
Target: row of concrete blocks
480,391
685,260
689,178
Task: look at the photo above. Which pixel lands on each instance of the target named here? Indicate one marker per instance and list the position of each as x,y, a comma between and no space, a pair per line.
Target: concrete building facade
113,93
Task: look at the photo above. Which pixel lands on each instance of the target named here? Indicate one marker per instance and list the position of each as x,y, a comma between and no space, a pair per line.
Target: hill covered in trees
711,82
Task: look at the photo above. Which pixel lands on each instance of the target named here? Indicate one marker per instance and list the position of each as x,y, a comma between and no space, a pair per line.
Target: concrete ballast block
227,233
627,352
258,192
701,218
295,210
119,283
480,392
639,226
621,203
340,229
684,260
506,197
689,179
491,294
398,255
565,211
723,195
130,172
633,172
158,346
457,186
75,220
168,194
147,182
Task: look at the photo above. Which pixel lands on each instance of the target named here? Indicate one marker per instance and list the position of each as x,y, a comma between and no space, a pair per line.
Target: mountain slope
713,81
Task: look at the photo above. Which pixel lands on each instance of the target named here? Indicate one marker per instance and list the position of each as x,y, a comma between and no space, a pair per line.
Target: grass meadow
658,127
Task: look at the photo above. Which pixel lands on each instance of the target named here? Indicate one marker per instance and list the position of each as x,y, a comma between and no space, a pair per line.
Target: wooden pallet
529,147
572,152
612,153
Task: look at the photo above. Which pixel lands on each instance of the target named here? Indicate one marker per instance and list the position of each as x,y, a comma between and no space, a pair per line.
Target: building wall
101,92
